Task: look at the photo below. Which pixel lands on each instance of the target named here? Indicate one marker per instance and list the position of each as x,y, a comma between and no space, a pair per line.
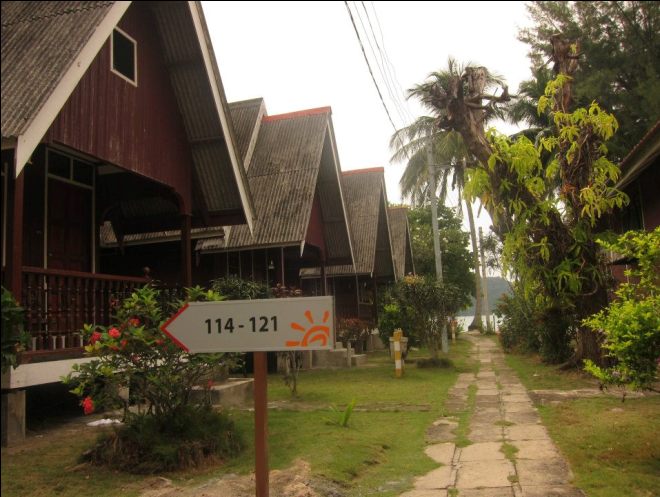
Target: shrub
519,329
352,329
14,339
233,288
134,352
434,362
187,437
630,325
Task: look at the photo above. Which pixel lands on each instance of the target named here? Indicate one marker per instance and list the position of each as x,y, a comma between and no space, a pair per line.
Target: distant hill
496,287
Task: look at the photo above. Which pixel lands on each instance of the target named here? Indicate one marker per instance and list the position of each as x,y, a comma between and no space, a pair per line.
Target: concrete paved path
511,454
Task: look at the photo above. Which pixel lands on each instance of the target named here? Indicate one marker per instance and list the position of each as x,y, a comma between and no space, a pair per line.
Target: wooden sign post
259,326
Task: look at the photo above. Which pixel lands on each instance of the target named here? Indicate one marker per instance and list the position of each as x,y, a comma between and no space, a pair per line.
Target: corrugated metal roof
294,160
40,41
401,243
193,89
108,238
246,116
282,177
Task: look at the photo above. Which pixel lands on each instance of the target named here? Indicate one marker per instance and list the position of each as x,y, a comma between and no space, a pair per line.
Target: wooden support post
324,280
261,423
14,261
186,250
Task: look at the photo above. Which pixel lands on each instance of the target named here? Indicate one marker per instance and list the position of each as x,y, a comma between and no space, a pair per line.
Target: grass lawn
538,376
380,451
613,447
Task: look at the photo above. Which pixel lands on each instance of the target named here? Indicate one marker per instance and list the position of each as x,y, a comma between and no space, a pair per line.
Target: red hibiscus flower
135,322
96,336
114,332
88,405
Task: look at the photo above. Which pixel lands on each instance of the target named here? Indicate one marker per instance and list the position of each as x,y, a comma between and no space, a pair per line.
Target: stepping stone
550,472
441,453
476,474
487,391
526,432
536,449
443,431
487,492
485,451
518,407
485,433
425,493
523,418
515,397
552,491
436,479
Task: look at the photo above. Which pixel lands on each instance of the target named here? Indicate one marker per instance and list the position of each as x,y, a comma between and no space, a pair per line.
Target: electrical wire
380,95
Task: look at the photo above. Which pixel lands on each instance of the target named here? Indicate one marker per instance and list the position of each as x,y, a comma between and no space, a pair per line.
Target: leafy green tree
630,325
619,43
457,260
427,303
550,241
545,215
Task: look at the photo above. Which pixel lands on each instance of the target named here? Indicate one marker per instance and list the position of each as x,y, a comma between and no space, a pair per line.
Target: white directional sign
301,323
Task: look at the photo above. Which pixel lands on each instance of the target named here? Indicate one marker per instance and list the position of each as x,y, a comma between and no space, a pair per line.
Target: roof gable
294,160
52,44
366,204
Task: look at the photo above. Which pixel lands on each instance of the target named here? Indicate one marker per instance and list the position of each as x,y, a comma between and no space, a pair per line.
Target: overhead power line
380,95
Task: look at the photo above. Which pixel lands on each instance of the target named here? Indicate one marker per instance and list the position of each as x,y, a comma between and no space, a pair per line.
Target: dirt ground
295,481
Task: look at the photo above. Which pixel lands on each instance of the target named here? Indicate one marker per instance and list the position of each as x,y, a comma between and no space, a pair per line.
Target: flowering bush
352,329
133,352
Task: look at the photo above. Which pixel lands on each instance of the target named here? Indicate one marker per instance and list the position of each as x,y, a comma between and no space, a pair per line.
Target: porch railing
57,303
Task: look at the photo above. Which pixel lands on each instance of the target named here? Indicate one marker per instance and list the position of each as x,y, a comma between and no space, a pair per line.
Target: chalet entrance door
69,226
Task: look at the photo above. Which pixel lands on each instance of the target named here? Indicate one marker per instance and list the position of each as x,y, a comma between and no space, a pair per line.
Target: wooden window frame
134,82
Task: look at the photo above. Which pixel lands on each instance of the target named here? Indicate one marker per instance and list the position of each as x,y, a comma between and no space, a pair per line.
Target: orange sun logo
316,332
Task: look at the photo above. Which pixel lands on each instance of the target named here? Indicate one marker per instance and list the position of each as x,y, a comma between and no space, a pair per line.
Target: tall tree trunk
436,240
478,305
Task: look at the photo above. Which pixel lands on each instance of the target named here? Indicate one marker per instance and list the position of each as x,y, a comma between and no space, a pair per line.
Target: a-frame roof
291,159
366,204
52,44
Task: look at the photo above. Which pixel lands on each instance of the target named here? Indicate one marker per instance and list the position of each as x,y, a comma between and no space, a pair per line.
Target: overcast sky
300,55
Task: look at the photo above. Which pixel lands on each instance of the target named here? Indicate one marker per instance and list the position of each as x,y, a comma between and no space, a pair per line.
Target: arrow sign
289,324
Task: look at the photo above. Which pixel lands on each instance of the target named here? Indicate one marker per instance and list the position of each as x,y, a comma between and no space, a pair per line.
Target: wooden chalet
355,287
113,115
293,170
401,241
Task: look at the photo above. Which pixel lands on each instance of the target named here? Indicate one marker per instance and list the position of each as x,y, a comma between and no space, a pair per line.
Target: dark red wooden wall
136,128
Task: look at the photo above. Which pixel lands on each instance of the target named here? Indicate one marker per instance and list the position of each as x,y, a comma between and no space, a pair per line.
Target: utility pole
484,280
436,237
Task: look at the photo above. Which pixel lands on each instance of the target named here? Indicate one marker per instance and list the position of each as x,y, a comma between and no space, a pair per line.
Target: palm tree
422,144
459,107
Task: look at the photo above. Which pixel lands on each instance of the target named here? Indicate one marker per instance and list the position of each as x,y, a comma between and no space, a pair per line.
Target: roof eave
223,112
